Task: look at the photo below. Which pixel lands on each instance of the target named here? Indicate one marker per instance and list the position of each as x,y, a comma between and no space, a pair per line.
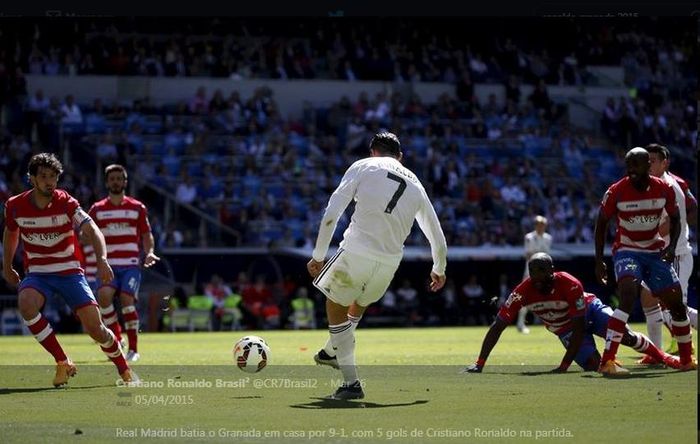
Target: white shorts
683,265
348,278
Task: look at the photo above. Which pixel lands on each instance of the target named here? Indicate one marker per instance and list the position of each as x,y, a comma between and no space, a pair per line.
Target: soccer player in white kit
388,197
660,159
536,241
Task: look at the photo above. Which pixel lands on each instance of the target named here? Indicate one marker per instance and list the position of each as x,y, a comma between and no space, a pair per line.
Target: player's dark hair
659,149
386,143
115,167
48,160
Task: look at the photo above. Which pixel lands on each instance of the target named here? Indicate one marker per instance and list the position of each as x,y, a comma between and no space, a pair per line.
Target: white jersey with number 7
388,198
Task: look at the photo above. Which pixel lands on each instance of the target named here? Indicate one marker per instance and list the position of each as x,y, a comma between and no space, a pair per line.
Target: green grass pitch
414,393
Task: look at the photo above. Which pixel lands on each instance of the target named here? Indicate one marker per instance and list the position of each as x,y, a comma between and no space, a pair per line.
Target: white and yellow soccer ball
251,353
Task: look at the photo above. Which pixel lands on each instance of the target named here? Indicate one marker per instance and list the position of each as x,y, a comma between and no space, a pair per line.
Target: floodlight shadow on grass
323,403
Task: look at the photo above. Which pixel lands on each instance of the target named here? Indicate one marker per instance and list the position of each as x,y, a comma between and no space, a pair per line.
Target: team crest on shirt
54,220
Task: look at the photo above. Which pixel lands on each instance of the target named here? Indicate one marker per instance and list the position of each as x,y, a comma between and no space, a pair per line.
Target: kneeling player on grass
558,299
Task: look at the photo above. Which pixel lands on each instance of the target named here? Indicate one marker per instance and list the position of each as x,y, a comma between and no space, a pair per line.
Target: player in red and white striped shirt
123,221
639,254
44,219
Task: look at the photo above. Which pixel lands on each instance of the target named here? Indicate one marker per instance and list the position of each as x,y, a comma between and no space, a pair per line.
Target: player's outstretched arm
10,240
148,244
314,267
429,224
490,341
97,239
669,253
437,281
339,201
601,229
575,342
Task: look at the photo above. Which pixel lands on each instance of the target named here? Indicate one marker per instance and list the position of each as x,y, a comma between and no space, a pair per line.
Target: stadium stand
227,170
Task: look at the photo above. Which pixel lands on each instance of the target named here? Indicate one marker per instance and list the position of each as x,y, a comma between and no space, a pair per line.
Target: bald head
638,163
637,153
540,262
541,270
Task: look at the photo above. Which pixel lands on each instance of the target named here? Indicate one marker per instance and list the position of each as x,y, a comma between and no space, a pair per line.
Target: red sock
617,325
681,331
114,353
110,319
42,331
644,345
131,324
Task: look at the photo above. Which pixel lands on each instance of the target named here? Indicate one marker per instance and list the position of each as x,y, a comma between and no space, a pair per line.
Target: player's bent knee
127,299
647,298
97,332
105,296
29,303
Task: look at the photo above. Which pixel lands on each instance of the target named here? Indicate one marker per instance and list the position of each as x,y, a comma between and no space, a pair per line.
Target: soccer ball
251,353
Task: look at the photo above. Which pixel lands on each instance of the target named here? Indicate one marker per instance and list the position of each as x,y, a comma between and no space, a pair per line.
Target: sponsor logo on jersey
643,219
43,236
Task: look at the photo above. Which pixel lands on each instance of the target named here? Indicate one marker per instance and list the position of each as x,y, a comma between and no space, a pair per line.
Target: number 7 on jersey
397,195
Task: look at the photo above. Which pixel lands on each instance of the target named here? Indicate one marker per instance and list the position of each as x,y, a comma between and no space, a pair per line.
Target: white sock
521,317
343,339
328,348
693,315
667,320
655,321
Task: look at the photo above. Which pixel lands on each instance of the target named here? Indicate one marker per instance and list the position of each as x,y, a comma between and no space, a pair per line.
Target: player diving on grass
558,299
388,198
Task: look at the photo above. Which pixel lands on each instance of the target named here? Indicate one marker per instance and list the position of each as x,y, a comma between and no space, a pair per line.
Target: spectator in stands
107,150
199,103
540,97
475,300
49,129
172,237
513,92
258,303
186,190
217,291
408,302
70,112
536,241
36,106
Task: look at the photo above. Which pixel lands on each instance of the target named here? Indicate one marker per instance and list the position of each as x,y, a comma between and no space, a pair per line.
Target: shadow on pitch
11,390
633,375
323,403
543,373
